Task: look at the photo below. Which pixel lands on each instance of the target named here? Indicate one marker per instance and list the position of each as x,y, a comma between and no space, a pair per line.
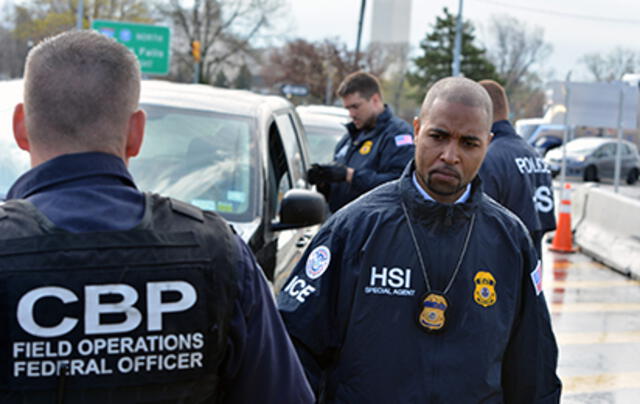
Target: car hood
556,154
246,230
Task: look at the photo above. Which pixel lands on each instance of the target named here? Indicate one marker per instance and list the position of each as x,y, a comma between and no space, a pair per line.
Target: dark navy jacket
95,192
352,303
377,156
515,175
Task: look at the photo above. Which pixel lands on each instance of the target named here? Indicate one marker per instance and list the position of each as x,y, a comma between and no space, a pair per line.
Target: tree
226,29
37,19
613,65
221,80
322,65
244,78
314,64
437,58
517,50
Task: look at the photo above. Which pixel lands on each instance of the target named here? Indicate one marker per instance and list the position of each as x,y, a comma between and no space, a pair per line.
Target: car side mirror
300,208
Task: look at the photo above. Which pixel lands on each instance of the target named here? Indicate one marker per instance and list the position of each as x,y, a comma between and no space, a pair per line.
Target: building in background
391,21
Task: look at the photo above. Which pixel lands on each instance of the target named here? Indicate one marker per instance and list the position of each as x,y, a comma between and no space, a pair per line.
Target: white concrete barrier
607,227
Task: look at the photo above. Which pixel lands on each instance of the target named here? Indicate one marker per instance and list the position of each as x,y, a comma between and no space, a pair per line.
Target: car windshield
200,157
322,142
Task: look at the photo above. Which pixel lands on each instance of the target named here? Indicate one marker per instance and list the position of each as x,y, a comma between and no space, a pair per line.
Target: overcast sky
572,27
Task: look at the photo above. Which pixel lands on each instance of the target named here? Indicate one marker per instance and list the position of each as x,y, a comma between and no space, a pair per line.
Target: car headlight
580,158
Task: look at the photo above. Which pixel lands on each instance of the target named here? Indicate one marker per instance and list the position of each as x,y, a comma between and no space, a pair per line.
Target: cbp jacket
91,196
352,304
515,175
377,156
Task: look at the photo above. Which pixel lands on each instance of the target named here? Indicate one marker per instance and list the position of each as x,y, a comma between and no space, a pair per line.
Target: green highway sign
150,43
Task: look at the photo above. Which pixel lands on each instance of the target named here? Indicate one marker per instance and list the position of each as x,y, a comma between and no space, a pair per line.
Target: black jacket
517,177
377,156
352,303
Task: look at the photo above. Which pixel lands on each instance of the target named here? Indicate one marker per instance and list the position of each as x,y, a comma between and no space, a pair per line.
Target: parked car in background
240,154
324,127
541,135
593,159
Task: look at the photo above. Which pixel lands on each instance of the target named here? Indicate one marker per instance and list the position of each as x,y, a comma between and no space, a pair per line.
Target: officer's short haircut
498,98
359,82
81,87
458,90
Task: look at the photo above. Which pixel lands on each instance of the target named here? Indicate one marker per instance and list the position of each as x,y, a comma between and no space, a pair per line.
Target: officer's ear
135,133
416,126
20,128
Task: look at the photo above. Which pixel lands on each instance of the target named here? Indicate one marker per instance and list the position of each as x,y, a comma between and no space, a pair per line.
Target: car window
292,148
607,150
322,142
201,157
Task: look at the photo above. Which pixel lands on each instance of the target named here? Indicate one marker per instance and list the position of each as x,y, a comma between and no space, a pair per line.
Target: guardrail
607,227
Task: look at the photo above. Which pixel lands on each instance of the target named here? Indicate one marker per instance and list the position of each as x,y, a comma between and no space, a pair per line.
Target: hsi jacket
352,305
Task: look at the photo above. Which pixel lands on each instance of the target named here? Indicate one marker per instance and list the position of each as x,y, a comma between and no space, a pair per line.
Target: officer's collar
430,211
69,167
502,128
381,120
463,198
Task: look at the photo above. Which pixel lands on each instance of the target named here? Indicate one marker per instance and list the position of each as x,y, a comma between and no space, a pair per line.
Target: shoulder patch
318,262
404,140
536,278
187,209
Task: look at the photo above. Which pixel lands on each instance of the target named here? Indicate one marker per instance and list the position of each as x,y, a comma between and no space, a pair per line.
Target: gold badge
366,147
485,292
431,316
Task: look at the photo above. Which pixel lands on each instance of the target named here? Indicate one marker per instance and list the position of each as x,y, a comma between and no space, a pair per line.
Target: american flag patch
403,140
536,278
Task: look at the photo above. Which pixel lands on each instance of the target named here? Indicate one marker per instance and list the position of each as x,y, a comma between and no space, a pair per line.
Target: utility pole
79,15
458,43
362,7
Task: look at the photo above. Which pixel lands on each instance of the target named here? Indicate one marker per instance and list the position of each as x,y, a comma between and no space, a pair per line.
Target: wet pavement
596,318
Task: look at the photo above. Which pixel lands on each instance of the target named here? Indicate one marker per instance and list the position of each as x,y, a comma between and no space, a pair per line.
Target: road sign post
150,43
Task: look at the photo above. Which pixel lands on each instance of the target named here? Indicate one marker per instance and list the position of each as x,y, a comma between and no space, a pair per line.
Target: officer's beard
441,190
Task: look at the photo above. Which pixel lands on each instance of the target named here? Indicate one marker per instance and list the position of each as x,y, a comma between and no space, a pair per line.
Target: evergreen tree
437,59
243,79
221,80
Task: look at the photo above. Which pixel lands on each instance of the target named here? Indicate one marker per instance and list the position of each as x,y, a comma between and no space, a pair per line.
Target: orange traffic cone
563,239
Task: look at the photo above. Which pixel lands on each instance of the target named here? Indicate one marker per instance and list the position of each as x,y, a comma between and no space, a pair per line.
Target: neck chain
431,315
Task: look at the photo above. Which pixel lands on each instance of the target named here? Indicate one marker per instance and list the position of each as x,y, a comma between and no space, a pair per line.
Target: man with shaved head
109,294
514,174
425,290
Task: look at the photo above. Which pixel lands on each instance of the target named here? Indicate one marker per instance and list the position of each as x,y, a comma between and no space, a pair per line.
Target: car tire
632,177
591,174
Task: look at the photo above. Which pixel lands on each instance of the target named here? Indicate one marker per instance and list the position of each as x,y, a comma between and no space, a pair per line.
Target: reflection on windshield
200,157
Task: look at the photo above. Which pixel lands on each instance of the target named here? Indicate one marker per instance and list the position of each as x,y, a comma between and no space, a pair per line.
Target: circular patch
318,262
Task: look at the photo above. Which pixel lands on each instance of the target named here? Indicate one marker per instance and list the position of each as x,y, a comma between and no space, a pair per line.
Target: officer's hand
314,174
330,172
